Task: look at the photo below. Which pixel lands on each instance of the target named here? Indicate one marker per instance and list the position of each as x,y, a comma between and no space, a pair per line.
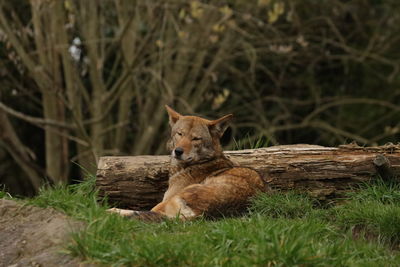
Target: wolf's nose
178,151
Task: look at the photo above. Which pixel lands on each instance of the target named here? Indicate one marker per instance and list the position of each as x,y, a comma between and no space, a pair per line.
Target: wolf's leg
175,207
193,201
122,212
214,200
147,216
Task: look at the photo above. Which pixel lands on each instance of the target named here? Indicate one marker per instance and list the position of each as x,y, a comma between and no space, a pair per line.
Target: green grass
278,205
374,212
79,200
372,219
250,142
233,242
281,229
384,192
4,194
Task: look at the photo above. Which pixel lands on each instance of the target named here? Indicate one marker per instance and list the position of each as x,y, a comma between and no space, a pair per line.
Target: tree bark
44,20
324,172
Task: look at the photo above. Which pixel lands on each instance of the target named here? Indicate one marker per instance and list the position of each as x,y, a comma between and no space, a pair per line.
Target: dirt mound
32,236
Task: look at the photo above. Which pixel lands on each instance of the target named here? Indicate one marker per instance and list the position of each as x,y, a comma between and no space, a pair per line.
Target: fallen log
139,182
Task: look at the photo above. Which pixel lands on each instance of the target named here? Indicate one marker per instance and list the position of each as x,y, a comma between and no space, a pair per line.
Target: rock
33,236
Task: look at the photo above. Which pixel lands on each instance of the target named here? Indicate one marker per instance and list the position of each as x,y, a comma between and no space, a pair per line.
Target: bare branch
351,101
34,120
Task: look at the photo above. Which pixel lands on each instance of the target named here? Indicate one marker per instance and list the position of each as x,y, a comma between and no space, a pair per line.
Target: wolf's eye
196,138
179,133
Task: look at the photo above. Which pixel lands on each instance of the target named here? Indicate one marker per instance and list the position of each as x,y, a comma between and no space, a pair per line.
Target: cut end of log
383,168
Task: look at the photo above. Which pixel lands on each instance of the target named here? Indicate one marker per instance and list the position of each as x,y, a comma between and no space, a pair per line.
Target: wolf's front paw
122,212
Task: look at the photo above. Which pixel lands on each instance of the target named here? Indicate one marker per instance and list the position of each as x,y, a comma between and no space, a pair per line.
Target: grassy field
280,230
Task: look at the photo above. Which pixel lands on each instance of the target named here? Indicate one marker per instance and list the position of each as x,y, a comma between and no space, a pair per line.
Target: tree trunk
56,145
324,172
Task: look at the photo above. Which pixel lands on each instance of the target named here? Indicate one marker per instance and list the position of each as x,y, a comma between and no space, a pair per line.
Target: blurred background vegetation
83,79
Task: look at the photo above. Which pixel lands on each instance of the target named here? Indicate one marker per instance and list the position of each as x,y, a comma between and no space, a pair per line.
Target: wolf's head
194,139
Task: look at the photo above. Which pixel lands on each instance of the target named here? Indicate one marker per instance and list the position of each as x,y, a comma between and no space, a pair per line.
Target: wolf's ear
173,115
220,125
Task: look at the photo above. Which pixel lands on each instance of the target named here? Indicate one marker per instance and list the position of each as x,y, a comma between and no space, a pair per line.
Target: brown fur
205,181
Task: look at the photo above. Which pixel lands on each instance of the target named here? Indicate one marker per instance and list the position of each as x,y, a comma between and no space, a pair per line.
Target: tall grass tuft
373,212
378,190
4,193
282,205
249,142
78,200
372,219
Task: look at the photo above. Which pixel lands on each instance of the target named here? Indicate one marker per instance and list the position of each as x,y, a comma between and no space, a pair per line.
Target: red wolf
204,182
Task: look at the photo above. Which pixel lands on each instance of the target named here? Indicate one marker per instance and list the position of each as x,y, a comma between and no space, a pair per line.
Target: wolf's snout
178,151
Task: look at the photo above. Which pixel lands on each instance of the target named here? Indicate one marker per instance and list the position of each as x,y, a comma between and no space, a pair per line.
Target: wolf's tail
147,216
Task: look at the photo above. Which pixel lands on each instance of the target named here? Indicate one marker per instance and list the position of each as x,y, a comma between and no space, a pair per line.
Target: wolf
203,181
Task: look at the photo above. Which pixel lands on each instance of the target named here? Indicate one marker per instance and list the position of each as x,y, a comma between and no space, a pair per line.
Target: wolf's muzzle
178,152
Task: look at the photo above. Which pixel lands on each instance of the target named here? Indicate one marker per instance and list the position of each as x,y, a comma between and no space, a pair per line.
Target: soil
32,236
